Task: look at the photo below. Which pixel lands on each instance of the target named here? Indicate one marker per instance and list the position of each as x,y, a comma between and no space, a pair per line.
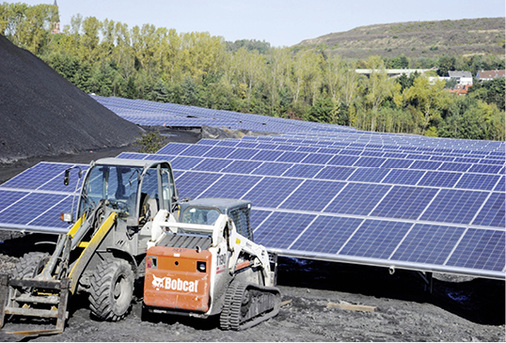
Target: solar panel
376,239
280,229
492,213
322,237
480,249
430,244
440,179
357,198
231,186
271,168
322,190
454,206
404,202
271,191
312,195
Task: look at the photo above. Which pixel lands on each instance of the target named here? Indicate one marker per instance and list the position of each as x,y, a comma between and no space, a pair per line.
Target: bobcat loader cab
102,253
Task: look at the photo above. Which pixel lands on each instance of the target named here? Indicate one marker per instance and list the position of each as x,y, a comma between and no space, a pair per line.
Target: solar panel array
145,112
322,191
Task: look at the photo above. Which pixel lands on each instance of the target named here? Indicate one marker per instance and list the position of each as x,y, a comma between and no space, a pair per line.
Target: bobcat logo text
175,284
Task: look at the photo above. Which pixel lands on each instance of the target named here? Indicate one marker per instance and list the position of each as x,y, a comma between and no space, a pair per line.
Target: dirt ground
471,310
458,309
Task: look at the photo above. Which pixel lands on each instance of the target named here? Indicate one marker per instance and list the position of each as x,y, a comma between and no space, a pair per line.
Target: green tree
427,99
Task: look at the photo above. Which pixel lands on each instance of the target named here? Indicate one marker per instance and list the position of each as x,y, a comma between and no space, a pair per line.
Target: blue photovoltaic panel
51,217
376,239
212,164
357,198
372,162
312,195
326,234
37,176
396,163
272,168
317,158
480,249
57,185
369,174
492,213
231,186
242,154
343,160
271,191
220,152
192,184
26,209
227,142
500,185
303,170
450,166
425,165
403,176
173,148
423,157
478,181
185,163
308,149
330,151
445,159
133,155
290,156
431,244
246,145
404,202
454,206
350,152
195,150
7,198
264,146
396,155
257,217
485,168
267,155
242,167
281,229
206,141
439,179
287,147
169,158
335,173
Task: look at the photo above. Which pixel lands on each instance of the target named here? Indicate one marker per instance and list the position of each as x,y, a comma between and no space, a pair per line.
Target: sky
279,22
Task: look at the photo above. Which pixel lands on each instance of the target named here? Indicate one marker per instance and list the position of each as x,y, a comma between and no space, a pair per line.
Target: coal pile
42,114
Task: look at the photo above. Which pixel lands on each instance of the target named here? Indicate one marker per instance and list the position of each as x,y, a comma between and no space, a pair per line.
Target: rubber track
231,317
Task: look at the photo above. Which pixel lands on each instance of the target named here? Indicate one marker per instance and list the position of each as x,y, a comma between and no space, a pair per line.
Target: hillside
417,39
43,114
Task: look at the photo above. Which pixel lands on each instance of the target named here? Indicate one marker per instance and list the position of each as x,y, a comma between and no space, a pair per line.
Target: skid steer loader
206,264
102,253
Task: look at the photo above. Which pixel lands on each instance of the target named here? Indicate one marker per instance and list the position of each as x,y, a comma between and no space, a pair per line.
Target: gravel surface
458,310
44,114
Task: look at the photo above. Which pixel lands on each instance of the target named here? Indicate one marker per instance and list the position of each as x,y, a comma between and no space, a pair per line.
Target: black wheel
111,289
31,264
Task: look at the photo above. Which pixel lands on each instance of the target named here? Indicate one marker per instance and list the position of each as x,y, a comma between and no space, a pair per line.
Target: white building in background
464,78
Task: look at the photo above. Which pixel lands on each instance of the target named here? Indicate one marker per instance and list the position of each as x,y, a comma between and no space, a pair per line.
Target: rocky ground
399,309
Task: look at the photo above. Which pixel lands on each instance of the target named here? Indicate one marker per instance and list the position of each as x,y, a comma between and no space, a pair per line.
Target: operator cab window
203,216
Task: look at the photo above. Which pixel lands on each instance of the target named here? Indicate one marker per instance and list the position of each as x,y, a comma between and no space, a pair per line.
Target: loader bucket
34,298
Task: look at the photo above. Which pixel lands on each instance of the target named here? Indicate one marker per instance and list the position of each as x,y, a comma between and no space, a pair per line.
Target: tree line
145,62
